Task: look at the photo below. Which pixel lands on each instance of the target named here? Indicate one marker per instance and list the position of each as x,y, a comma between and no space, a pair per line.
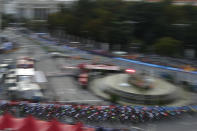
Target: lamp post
1,11
1,14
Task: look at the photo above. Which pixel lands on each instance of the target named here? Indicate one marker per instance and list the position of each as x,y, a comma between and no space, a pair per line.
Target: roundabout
136,89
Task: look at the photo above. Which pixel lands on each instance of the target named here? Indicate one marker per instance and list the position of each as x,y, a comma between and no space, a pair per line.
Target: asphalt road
60,89
65,89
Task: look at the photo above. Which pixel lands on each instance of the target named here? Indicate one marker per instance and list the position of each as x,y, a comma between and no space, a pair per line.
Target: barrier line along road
156,66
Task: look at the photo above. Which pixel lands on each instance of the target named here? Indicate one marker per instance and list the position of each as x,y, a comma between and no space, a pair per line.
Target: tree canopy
119,22
167,46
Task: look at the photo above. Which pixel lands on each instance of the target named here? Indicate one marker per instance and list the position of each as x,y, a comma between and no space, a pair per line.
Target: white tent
25,72
40,77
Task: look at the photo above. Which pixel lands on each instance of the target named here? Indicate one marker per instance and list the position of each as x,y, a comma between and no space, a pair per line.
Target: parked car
25,91
10,83
30,91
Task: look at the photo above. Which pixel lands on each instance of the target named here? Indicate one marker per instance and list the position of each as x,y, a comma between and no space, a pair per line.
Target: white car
10,83
30,91
4,65
8,61
11,76
25,91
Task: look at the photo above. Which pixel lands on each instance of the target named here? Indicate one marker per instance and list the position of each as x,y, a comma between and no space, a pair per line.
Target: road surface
65,89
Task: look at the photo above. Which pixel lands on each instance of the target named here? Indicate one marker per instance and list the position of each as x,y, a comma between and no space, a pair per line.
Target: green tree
167,46
6,19
114,98
104,21
36,25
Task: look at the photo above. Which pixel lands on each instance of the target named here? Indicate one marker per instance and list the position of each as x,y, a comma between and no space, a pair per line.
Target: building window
21,13
40,13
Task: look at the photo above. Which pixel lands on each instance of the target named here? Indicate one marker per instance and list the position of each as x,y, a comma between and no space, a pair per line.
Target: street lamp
1,14
1,11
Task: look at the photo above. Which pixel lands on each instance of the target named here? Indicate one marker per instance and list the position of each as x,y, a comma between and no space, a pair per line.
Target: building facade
34,9
39,9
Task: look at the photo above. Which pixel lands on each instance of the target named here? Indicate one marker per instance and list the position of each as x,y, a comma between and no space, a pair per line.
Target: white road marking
71,89
138,128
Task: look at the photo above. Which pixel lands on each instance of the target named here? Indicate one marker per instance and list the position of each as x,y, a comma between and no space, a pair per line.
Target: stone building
34,9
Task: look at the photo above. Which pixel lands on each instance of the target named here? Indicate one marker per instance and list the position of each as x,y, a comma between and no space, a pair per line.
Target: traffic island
154,91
